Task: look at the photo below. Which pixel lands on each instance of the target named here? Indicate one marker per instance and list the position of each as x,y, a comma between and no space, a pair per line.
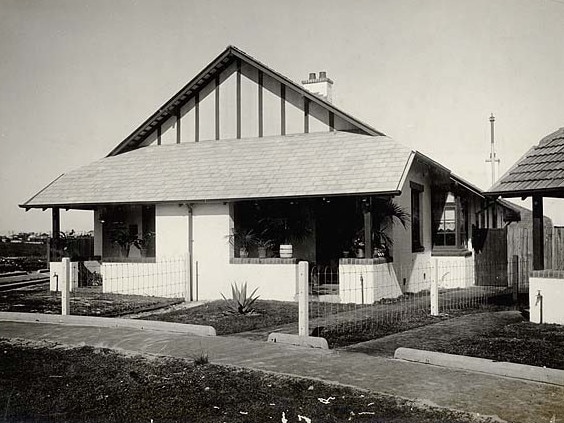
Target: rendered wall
413,269
171,227
552,292
365,284
455,272
213,272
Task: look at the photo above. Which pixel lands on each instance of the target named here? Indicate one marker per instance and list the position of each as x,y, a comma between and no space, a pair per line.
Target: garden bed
523,343
83,301
46,382
268,315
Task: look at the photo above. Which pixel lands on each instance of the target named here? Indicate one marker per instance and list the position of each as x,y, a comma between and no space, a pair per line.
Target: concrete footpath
510,399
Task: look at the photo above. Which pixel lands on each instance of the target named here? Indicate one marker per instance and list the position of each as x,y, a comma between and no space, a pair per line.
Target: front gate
491,257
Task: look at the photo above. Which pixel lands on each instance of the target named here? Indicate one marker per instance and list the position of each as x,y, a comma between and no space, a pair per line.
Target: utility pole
493,158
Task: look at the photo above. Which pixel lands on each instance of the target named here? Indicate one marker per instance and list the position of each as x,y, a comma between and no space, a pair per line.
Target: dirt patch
500,336
267,315
83,302
43,382
522,343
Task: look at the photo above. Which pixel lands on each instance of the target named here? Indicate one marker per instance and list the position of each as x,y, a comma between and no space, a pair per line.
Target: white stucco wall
552,291
171,227
213,272
274,281
378,281
455,272
413,269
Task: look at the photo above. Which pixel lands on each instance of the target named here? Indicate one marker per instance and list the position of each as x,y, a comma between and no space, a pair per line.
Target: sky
78,76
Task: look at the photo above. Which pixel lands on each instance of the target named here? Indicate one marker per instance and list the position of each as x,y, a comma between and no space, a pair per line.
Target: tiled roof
540,170
329,163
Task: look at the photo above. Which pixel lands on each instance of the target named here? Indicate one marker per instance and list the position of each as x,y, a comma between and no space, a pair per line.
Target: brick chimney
321,86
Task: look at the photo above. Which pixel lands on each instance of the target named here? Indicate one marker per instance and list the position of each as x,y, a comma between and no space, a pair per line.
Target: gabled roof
539,171
221,62
318,164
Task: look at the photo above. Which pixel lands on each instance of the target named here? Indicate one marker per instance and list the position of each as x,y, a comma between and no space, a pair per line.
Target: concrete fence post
65,288
303,298
435,289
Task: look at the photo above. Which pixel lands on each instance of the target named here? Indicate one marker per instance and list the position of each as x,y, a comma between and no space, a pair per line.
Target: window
416,237
452,228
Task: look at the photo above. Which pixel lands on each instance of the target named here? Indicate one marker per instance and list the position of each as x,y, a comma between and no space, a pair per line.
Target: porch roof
540,171
317,164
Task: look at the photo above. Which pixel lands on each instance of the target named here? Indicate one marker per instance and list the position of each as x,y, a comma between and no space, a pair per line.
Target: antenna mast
493,158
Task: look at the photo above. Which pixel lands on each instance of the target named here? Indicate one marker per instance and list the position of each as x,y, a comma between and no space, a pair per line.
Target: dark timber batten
238,98
217,107
207,75
260,104
282,109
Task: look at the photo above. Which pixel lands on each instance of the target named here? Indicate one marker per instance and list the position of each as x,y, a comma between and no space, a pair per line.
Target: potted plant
263,244
358,244
123,239
285,231
142,243
386,214
244,239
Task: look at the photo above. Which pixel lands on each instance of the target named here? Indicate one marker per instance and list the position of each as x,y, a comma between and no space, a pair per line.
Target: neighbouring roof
317,164
221,62
539,171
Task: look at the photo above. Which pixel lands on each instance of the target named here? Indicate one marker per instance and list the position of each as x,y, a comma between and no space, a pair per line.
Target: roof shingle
538,171
330,163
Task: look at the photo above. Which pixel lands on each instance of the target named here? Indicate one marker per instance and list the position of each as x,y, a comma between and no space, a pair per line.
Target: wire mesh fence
368,298
115,287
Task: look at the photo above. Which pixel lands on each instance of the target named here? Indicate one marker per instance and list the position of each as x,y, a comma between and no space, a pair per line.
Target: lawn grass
268,314
523,343
45,382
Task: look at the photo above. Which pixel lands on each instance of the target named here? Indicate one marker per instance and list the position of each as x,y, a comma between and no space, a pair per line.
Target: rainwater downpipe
539,303
191,250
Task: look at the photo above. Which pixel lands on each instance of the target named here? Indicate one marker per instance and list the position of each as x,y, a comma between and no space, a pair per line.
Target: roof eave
91,206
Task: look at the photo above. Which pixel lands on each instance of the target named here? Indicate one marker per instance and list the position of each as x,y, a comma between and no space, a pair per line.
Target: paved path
510,399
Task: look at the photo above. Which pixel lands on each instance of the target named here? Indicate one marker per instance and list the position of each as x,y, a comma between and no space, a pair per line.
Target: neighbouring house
538,174
243,154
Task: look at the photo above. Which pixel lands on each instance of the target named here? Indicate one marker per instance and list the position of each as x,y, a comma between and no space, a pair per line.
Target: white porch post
303,298
65,289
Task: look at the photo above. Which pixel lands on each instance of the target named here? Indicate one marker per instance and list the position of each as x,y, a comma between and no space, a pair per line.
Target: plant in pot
121,237
387,213
263,244
244,239
143,242
285,232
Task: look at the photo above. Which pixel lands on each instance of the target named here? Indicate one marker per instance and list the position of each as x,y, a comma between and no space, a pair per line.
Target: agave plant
240,302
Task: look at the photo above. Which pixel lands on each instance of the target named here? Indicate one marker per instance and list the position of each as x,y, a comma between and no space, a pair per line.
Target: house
241,147
538,174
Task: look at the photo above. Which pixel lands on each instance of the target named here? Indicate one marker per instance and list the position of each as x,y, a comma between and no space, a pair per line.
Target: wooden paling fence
520,243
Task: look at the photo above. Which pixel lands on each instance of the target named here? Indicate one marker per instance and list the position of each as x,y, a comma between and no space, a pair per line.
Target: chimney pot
322,75
312,76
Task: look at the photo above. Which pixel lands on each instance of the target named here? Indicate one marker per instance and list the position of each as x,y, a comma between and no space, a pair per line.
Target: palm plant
244,239
386,213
